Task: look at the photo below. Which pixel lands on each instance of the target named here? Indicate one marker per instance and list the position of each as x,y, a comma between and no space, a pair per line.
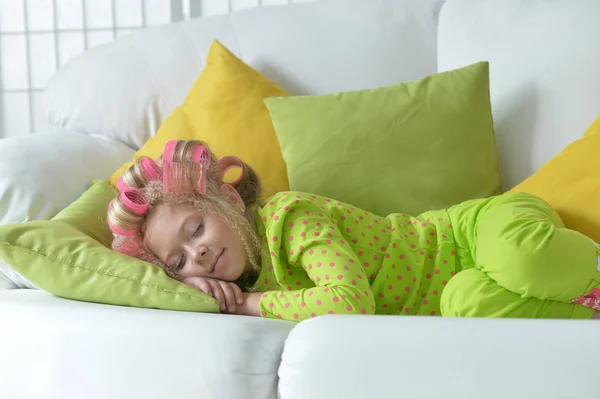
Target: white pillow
6,283
10,279
40,174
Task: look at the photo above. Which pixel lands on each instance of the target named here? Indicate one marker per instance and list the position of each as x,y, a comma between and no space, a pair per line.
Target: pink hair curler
227,163
185,176
134,200
131,245
150,169
201,154
121,231
120,183
169,150
117,229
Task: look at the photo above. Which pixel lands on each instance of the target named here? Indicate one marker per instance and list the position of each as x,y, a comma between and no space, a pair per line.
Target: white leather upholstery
432,358
58,348
544,73
126,89
10,279
41,174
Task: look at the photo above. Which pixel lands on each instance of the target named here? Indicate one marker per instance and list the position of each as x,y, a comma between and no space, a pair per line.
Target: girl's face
195,244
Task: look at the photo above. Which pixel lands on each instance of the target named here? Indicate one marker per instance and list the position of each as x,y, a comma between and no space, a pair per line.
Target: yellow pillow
225,109
570,182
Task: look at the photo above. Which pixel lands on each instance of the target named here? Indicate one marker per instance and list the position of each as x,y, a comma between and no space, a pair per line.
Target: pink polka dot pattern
327,257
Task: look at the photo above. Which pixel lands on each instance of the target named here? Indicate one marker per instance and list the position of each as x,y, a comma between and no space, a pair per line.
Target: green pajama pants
516,259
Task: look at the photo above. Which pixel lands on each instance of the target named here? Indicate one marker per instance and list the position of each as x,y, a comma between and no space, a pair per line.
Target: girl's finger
207,289
218,295
239,295
199,284
229,296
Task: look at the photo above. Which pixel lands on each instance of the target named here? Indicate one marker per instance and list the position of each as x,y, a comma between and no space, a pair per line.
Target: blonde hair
128,222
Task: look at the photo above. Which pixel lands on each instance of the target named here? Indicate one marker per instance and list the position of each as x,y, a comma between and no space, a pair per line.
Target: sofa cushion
127,88
406,148
42,173
356,357
544,74
77,350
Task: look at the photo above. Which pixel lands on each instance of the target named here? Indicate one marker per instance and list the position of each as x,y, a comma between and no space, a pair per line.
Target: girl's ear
230,192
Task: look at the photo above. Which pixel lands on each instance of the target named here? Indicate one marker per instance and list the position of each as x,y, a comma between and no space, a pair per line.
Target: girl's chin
228,276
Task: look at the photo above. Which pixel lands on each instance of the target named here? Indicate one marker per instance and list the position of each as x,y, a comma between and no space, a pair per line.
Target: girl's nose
198,254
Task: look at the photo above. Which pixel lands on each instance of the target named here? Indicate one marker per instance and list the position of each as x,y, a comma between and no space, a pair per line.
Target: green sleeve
302,236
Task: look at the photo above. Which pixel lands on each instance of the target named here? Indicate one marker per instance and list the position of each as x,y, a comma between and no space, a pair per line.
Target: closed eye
181,263
198,230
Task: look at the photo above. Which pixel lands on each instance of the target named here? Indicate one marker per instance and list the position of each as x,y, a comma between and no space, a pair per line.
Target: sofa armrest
58,348
429,357
42,173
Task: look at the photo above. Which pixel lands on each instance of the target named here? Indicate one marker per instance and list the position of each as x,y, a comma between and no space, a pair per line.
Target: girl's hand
251,306
229,295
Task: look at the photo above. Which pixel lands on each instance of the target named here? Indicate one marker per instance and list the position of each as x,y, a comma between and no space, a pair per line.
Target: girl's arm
304,237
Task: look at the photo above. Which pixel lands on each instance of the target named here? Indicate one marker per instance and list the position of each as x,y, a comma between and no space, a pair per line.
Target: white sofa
545,88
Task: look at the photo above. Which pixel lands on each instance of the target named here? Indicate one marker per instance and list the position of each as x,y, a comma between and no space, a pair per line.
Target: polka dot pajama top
321,256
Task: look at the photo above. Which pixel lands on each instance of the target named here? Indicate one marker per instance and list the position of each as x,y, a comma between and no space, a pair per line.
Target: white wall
39,36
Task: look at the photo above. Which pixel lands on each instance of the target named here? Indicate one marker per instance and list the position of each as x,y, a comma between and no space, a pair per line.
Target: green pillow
70,256
405,148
